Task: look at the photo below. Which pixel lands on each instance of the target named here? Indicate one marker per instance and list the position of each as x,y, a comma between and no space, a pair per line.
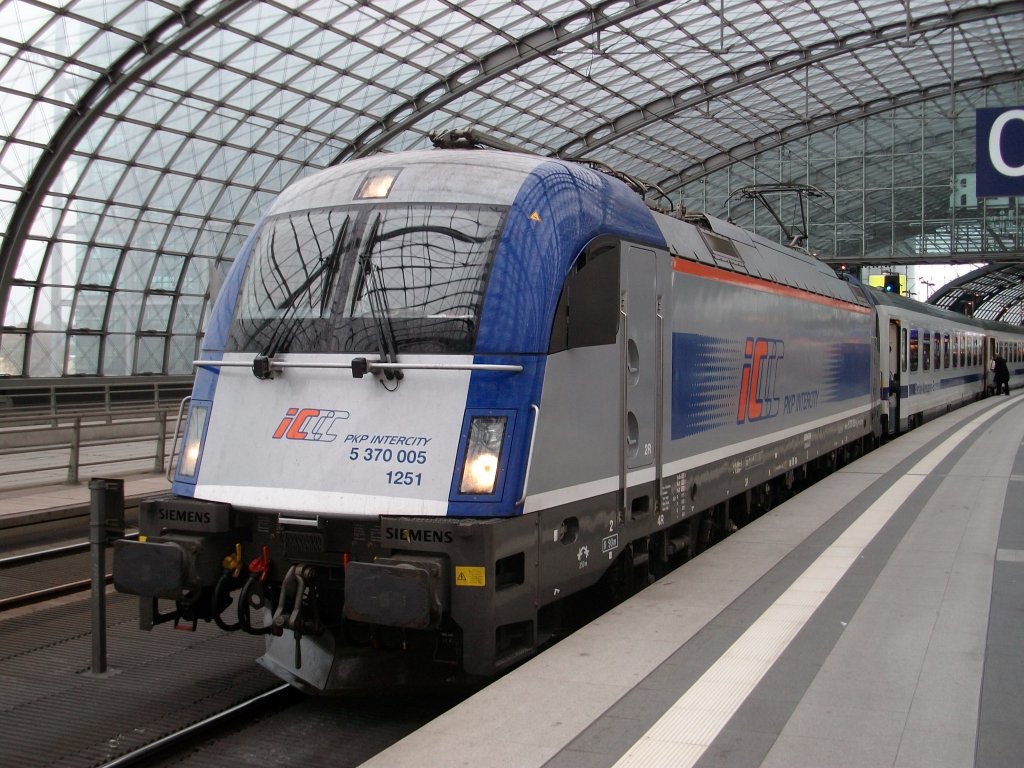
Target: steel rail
48,593
196,729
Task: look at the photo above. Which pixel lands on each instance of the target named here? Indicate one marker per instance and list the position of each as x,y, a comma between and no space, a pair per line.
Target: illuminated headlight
193,444
483,454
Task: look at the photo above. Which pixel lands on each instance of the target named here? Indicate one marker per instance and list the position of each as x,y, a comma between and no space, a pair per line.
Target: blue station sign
1000,151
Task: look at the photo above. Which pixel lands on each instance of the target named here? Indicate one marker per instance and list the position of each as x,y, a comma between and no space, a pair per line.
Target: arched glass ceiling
142,139
992,292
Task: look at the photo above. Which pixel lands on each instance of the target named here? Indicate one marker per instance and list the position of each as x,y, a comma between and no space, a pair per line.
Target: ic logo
309,424
757,383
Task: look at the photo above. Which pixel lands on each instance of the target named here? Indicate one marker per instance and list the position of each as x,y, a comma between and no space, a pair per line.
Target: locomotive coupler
294,585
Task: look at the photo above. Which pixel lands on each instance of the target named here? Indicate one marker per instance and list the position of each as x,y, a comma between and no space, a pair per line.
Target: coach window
956,347
588,309
926,350
938,351
903,350
963,350
914,349
945,350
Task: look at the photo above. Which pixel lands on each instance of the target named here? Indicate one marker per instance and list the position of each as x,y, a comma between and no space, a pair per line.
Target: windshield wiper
377,299
284,327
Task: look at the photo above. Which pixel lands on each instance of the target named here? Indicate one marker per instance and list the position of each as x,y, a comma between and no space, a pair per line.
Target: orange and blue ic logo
315,424
757,398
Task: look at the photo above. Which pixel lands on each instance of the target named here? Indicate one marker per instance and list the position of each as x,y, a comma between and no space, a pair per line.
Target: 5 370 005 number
401,456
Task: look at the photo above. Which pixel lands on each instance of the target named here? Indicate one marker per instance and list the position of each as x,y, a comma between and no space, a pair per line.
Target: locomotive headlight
192,446
483,454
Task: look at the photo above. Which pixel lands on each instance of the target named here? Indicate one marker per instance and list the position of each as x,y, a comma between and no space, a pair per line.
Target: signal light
892,284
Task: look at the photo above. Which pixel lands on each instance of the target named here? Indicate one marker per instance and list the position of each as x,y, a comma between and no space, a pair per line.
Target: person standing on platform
1001,379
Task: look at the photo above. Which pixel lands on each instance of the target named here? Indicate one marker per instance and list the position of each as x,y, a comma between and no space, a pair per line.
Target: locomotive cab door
640,400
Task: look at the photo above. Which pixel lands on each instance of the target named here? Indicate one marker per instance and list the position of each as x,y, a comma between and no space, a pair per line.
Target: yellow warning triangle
534,216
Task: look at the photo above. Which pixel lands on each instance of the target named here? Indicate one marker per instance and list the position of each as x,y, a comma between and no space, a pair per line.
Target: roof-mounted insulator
469,138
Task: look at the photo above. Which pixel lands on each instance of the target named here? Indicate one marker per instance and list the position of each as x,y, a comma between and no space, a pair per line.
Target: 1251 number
404,478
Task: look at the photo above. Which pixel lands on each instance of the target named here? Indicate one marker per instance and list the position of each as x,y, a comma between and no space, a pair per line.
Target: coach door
891,389
988,364
641,401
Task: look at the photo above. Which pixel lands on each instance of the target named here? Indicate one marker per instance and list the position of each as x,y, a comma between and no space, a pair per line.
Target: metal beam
970,257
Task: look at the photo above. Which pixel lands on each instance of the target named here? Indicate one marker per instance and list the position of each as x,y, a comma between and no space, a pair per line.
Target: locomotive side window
914,349
926,350
588,309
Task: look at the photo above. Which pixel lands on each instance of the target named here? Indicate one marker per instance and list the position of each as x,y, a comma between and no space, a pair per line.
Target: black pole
106,521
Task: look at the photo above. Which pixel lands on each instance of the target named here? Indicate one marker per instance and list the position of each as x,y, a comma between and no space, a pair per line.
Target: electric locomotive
443,393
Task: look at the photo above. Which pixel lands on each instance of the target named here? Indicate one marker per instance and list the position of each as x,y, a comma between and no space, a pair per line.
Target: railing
27,398
55,431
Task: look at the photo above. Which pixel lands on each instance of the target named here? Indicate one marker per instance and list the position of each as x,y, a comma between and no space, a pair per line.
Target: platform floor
62,504
876,619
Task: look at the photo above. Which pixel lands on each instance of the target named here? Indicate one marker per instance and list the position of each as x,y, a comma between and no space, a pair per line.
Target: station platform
39,504
876,619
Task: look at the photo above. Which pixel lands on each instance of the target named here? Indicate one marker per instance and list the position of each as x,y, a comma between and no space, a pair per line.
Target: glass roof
140,140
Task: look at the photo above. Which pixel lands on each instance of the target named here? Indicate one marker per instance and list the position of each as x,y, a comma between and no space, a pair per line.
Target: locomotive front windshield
343,279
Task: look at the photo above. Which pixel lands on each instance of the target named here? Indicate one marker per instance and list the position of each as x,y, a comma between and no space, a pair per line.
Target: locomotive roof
718,243
421,176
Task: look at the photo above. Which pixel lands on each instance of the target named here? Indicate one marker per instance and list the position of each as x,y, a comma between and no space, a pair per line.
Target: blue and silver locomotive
443,394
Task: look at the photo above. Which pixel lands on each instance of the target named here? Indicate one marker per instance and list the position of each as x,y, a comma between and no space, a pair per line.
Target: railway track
54,572
285,727
172,746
